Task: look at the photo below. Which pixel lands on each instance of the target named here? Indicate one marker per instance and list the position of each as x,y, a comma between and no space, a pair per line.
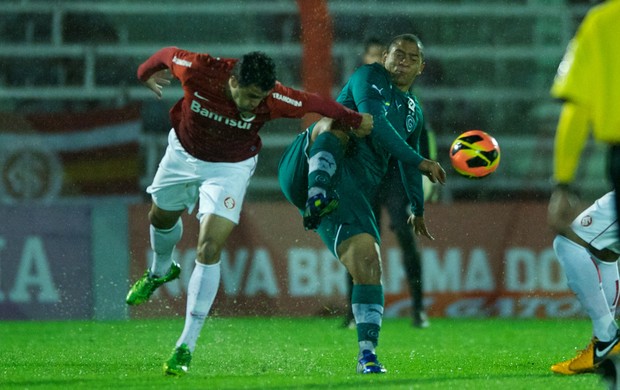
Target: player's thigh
598,224
176,182
352,217
293,171
223,188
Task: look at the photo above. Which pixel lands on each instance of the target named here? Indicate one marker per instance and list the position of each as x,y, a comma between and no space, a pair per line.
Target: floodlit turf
284,353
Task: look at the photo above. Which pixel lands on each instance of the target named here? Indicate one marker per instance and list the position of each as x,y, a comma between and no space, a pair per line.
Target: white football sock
583,278
610,281
163,242
201,291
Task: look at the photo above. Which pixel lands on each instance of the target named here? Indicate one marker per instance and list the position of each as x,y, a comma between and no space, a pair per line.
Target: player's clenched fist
365,127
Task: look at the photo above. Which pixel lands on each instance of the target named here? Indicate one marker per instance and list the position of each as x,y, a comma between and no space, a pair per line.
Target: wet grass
286,353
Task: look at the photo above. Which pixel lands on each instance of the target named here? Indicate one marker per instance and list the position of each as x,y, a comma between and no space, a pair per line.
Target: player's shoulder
371,70
601,18
371,74
205,60
217,62
607,9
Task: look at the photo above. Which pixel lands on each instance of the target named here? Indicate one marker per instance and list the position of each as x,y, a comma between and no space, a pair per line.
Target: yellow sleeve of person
588,81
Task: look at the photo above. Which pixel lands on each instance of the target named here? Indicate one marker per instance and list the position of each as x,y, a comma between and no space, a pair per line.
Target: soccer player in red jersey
211,156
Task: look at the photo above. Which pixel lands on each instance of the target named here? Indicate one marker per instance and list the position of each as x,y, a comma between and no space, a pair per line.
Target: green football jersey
398,122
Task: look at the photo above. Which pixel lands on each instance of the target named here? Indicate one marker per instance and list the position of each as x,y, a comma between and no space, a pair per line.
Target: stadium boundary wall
76,261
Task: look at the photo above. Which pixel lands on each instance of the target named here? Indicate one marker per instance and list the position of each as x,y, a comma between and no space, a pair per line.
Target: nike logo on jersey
380,90
200,97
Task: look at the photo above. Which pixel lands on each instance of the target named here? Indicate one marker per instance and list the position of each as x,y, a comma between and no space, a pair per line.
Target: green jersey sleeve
370,87
412,177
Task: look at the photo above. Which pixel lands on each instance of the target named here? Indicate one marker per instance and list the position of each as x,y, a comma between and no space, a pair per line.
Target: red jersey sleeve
162,59
180,62
287,102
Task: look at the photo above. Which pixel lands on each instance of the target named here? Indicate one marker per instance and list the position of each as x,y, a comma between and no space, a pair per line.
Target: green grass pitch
292,353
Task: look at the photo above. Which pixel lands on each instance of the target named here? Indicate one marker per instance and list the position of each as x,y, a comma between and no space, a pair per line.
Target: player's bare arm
433,170
157,82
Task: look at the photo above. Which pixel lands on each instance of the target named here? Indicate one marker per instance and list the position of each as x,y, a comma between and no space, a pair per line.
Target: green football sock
367,302
325,153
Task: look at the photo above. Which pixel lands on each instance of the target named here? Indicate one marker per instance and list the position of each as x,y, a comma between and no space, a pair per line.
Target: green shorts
354,213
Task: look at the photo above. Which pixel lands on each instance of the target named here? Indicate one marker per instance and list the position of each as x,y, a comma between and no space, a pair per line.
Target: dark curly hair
255,68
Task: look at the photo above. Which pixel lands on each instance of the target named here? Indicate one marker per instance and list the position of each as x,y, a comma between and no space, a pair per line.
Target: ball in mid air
475,154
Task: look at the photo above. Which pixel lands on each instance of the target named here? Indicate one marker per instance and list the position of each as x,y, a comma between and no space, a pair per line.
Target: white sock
584,280
610,281
201,291
163,242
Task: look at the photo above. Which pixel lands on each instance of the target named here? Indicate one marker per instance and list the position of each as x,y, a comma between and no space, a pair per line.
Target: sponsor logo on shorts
586,221
229,203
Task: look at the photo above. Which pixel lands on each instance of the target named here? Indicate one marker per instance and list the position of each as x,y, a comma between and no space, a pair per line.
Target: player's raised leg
166,230
324,155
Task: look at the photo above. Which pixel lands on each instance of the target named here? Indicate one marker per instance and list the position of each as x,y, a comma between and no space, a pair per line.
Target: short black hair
255,68
409,38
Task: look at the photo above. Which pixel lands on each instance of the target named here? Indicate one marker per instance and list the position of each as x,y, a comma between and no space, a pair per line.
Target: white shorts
181,180
598,224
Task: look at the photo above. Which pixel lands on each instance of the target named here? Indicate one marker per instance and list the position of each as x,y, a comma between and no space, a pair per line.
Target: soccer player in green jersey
333,178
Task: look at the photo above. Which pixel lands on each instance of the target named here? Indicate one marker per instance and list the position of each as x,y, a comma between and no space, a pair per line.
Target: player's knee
162,219
365,269
208,252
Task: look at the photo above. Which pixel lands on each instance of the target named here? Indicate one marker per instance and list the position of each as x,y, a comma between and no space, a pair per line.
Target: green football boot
178,364
142,290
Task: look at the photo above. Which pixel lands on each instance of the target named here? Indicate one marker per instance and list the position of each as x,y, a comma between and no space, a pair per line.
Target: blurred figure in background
588,82
393,196
373,51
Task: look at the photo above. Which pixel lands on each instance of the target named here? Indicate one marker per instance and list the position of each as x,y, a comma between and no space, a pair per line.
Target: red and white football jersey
207,121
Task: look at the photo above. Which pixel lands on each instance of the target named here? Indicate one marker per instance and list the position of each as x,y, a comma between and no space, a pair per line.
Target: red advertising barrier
488,259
